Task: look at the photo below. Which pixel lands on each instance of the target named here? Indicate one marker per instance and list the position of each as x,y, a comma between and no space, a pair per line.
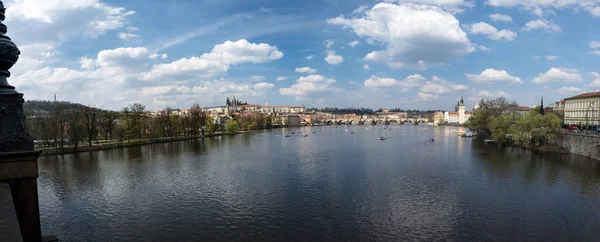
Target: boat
467,134
287,135
293,133
382,138
353,132
306,135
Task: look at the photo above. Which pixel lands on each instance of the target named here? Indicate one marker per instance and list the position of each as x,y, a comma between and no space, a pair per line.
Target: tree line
63,124
535,128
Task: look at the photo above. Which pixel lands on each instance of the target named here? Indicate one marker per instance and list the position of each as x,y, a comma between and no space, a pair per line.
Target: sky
410,54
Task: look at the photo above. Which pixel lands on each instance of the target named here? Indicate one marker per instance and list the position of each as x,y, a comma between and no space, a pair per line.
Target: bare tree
89,115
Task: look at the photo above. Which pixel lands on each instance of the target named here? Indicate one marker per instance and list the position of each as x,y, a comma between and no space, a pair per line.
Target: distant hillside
37,107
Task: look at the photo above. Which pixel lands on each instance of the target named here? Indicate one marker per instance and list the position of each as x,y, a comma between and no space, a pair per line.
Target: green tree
252,125
232,126
209,125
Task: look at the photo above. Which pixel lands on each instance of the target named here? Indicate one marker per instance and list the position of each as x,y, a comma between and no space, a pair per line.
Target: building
559,106
521,111
276,109
298,109
293,120
459,116
216,110
249,108
583,110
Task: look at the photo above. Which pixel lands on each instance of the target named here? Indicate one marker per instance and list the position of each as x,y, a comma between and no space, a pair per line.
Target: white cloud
412,34
309,84
128,36
282,78
87,63
491,32
310,57
328,43
164,56
541,24
263,86
537,6
305,69
500,18
558,75
439,86
493,76
375,81
596,81
366,67
451,5
569,90
154,56
477,95
353,43
537,57
427,96
551,57
217,61
405,84
360,9
257,78
333,59
595,52
595,44
481,48
132,28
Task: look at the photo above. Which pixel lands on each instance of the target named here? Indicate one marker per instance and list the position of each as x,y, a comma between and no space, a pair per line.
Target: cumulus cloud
333,59
551,57
282,78
596,81
476,94
537,6
491,32
493,76
414,35
496,17
87,63
257,78
353,43
306,69
559,75
405,84
366,67
541,24
128,36
309,84
440,86
310,57
360,9
569,90
217,61
451,5
328,43
263,86
426,96
595,46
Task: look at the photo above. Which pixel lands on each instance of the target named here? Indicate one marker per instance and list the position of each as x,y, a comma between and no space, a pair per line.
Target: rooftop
584,95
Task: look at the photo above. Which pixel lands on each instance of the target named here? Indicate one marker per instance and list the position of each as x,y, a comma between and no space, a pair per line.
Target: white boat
467,134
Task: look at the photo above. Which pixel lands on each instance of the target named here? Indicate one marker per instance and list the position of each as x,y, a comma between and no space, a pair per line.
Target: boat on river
467,134
287,136
382,138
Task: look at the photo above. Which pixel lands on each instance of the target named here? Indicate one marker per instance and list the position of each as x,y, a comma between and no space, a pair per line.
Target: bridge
375,120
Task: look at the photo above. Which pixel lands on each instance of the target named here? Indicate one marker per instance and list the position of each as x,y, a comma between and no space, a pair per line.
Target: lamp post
587,119
18,157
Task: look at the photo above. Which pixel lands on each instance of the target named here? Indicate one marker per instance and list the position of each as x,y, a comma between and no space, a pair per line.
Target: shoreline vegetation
131,143
537,129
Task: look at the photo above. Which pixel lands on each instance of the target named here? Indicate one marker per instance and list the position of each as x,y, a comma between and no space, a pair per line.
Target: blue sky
419,54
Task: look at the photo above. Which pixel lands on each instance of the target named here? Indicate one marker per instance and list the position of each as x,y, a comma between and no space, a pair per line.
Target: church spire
542,106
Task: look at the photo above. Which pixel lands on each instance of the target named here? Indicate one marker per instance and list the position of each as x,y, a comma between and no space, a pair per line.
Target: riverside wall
585,145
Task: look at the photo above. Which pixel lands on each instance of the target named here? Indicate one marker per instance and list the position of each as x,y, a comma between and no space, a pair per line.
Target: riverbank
131,143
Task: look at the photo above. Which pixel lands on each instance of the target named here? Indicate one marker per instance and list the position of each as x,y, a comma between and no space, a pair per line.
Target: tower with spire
460,108
542,106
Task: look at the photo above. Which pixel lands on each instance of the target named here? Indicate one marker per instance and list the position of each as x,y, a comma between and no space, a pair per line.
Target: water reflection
330,186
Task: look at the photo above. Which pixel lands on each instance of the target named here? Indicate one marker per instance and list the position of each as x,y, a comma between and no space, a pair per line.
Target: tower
542,106
460,108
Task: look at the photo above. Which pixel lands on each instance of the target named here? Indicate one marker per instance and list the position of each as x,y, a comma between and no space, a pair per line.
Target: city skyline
421,54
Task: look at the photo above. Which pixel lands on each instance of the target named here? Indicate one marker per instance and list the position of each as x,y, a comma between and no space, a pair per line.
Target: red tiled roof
584,95
520,108
453,113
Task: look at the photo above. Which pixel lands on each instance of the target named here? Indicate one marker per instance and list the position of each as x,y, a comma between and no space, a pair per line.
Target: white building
583,110
459,116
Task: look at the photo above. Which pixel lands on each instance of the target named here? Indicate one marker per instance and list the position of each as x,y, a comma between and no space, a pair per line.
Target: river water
330,186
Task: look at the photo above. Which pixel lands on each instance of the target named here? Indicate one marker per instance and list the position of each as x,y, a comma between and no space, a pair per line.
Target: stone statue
9,55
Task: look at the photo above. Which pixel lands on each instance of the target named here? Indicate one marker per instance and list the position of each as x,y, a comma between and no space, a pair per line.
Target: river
330,186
